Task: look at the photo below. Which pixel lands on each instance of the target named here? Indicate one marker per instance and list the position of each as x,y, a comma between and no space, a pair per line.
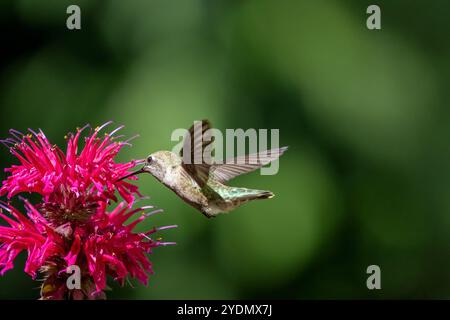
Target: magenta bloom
89,173
72,224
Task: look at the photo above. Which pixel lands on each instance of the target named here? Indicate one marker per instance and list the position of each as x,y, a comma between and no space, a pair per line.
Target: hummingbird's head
161,165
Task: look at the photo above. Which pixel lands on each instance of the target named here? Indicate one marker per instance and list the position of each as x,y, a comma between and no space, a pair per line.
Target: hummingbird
202,184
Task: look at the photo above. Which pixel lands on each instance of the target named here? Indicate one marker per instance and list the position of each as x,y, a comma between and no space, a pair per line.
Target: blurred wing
244,164
195,142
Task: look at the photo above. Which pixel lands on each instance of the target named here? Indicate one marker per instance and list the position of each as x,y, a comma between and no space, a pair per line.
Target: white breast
170,177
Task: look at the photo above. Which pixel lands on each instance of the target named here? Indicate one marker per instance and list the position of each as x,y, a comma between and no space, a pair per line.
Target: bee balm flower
72,224
90,173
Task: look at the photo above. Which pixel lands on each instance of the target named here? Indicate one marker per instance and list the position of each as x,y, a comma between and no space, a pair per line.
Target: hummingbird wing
195,142
234,167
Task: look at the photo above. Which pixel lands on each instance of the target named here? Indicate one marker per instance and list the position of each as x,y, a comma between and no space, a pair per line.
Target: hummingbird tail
257,194
265,195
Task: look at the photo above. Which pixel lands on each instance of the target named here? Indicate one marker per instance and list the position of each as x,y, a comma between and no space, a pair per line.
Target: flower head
87,173
72,224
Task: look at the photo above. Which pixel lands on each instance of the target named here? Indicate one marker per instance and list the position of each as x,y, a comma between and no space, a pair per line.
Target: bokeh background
366,179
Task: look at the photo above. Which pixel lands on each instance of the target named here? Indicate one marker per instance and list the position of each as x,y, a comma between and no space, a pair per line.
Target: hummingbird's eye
149,159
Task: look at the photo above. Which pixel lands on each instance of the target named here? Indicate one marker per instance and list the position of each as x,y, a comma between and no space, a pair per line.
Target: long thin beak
133,174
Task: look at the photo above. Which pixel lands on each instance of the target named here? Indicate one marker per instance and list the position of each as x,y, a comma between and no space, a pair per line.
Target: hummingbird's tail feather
251,194
266,195
233,198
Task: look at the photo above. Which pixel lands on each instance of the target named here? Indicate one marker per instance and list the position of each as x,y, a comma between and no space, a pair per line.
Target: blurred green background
366,179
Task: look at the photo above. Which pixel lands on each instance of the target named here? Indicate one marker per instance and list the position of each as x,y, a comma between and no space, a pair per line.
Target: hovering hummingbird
202,185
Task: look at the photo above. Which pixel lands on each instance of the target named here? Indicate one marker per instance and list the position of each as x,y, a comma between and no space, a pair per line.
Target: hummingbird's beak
142,170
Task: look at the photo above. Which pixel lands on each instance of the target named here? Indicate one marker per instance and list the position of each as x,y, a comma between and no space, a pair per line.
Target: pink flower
102,245
87,173
34,235
72,224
